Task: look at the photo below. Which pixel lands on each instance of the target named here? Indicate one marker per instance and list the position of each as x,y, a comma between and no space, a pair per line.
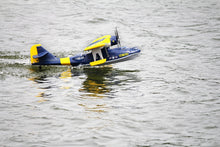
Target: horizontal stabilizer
40,55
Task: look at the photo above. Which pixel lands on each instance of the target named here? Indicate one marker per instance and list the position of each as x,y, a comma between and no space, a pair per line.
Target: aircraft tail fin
40,56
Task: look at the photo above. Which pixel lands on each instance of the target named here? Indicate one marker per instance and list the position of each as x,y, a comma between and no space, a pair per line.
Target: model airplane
99,53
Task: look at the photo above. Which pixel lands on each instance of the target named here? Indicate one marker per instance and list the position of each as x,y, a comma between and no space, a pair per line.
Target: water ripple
168,96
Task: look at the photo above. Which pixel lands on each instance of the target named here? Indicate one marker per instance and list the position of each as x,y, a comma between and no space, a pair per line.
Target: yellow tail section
34,52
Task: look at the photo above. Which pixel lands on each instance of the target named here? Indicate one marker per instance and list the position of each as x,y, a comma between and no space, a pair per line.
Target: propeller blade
117,37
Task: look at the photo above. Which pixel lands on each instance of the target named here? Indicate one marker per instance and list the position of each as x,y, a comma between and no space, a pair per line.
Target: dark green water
168,96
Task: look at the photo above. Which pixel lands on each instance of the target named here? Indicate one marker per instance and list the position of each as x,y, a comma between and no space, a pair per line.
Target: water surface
168,96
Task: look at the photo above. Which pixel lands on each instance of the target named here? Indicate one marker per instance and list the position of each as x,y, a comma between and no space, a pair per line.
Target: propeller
117,38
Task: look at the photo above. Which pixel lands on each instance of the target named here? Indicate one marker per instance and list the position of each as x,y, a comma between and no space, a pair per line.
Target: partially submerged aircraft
98,53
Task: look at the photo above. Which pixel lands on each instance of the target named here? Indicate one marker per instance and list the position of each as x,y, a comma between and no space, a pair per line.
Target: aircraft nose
135,50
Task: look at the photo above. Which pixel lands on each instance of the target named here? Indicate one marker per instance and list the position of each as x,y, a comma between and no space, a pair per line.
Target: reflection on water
96,82
95,108
66,74
41,96
40,76
88,84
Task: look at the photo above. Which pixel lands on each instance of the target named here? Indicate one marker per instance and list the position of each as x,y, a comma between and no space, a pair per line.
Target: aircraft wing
100,42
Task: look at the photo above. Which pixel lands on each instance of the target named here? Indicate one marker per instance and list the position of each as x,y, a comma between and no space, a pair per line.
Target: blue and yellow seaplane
98,53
